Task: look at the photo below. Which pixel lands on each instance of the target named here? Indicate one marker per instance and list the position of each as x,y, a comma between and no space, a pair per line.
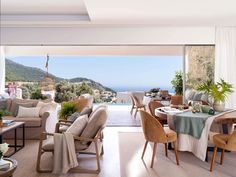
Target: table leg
0,139
170,146
15,140
23,133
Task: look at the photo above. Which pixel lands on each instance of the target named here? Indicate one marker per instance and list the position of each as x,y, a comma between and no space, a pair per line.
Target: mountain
19,72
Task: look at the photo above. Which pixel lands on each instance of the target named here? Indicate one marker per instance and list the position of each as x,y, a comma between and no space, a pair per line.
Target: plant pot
176,100
219,106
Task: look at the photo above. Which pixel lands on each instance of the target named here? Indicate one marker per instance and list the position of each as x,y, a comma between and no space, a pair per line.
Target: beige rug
131,165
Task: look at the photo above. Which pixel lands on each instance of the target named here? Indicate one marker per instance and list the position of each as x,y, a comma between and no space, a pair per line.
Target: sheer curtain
2,69
225,59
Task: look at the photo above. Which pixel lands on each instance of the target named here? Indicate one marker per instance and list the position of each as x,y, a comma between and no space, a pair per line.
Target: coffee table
13,127
9,172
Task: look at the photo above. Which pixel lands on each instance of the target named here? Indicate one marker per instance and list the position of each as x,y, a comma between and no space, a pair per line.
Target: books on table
7,122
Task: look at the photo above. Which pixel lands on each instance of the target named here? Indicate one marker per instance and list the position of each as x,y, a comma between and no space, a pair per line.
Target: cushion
189,94
87,111
17,105
96,121
73,117
197,96
63,128
28,112
78,125
44,107
204,97
3,104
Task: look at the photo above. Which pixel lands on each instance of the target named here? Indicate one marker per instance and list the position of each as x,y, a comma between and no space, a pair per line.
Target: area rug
131,165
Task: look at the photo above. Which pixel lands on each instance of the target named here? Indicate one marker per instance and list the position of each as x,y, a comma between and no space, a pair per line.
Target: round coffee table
10,171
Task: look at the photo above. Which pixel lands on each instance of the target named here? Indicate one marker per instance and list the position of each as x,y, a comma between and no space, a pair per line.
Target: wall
106,35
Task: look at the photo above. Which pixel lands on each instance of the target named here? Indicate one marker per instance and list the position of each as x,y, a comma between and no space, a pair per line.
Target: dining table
193,128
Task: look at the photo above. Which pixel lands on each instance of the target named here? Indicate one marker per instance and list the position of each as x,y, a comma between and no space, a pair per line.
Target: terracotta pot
219,106
176,100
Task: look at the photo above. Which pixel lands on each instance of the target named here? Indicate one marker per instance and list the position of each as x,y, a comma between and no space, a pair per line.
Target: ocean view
129,89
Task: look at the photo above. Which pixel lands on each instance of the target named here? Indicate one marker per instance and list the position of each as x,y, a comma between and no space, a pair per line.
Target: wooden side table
10,171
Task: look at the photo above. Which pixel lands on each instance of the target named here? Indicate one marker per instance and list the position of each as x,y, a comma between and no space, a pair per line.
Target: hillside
19,72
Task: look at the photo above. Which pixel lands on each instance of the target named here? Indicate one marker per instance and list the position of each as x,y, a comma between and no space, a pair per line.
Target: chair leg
166,152
97,157
153,154
144,149
222,156
131,112
213,158
176,153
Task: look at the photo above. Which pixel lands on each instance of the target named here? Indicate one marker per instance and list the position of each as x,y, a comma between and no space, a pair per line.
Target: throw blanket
64,153
190,123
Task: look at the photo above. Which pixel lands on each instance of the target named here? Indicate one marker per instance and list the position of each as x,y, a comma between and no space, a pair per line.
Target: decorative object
3,149
47,83
67,109
177,83
218,92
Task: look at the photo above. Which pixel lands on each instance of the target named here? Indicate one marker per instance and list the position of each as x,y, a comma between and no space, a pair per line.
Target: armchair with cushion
89,141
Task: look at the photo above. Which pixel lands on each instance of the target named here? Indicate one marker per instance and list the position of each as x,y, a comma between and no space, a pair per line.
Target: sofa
194,95
35,125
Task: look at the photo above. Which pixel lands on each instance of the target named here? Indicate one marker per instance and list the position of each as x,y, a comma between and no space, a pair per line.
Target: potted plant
67,109
218,92
177,84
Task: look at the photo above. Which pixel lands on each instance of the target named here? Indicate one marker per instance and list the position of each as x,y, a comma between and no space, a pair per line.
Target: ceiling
119,12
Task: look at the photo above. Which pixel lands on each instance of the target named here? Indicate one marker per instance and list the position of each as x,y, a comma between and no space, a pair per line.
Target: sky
117,72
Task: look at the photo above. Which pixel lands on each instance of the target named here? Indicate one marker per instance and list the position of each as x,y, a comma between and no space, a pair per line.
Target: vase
219,106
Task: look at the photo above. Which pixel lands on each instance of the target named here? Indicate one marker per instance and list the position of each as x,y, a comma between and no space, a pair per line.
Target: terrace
91,131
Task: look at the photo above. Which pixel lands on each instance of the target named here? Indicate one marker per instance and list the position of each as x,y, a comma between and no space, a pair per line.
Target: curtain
2,69
225,59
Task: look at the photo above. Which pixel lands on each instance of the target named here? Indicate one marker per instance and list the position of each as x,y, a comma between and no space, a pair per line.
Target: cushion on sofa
28,112
78,125
189,93
197,96
17,105
44,107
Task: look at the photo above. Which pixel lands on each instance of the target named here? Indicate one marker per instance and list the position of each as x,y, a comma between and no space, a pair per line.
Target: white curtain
225,59
2,69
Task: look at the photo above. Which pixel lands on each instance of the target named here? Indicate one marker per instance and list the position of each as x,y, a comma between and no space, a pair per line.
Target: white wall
95,35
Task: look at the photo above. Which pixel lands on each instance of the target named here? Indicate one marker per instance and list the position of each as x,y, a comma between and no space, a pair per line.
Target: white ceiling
118,12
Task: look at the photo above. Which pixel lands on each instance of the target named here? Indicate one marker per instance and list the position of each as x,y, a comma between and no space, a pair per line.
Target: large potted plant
218,92
177,84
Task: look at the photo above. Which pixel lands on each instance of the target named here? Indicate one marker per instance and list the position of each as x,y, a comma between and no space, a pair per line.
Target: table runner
190,123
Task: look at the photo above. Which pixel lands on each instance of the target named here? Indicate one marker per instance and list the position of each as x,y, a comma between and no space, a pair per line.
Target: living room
124,28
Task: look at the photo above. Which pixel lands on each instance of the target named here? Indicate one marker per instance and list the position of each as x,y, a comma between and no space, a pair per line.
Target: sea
145,89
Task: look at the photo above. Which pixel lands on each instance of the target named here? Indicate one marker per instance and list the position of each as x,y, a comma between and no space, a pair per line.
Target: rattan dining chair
137,105
152,106
154,132
224,142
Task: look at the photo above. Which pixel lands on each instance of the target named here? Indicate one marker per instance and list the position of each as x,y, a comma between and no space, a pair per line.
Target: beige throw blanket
64,153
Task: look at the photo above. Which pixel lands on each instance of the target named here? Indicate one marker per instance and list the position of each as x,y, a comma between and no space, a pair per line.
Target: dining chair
137,105
133,104
224,142
154,132
152,106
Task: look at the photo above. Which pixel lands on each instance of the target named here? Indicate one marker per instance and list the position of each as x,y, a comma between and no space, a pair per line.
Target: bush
67,109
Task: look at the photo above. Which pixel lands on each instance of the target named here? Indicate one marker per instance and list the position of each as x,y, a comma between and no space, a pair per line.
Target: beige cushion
63,128
15,106
96,121
78,125
30,121
28,112
44,107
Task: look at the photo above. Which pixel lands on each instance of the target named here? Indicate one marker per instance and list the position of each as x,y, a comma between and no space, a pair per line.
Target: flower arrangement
3,149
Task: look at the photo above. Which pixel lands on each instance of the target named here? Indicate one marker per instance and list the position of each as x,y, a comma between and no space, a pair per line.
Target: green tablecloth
190,123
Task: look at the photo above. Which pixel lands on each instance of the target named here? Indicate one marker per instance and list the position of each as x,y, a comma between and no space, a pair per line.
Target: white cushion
28,112
78,125
44,107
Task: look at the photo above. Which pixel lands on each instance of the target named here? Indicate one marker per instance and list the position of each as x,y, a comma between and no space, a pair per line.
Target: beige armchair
89,142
